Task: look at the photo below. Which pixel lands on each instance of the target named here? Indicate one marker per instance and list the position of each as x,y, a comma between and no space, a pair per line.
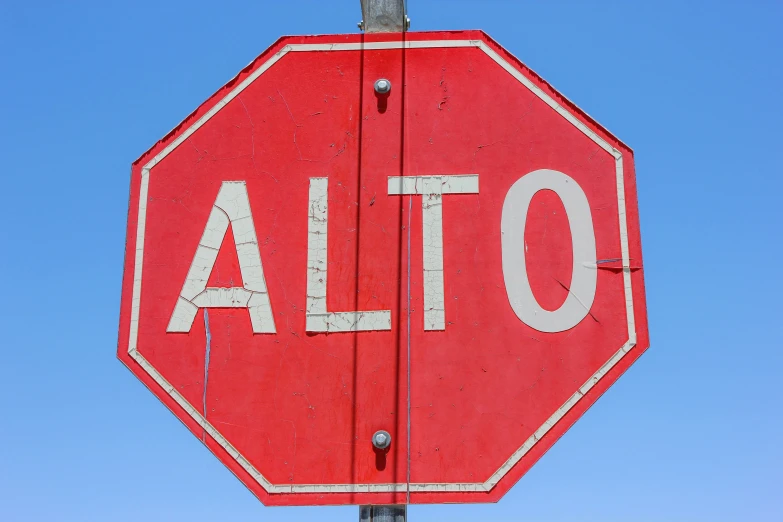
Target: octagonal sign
454,261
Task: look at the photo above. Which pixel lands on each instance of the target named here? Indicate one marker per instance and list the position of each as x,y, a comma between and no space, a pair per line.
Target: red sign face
455,262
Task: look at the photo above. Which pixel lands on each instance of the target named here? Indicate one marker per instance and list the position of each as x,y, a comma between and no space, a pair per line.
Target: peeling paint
318,319
432,189
232,207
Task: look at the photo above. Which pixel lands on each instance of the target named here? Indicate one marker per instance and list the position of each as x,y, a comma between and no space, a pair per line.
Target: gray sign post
383,16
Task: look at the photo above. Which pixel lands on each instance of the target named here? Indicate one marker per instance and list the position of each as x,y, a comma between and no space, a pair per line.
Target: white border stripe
624,248
399,487
141,225
381,46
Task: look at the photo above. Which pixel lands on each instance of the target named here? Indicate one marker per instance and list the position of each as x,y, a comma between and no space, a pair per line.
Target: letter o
512,235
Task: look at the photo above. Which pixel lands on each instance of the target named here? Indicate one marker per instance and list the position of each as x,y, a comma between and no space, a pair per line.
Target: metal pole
383,16
383,513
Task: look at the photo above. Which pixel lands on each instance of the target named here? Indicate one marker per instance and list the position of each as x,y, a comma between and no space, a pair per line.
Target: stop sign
410,234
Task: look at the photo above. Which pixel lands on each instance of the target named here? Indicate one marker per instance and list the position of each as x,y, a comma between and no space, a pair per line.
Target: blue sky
692,432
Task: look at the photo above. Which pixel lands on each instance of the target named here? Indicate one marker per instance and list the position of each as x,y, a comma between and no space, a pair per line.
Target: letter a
232,206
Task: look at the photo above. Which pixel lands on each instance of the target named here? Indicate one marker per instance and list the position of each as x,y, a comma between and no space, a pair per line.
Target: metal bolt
382,86
381,439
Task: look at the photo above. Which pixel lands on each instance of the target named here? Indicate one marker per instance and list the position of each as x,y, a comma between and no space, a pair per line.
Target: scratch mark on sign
201,155
577,298
445,88
317,317
296,125
293,455
253,140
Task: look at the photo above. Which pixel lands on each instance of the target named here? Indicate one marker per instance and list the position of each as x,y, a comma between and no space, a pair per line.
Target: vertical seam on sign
408,326
408,310
355,338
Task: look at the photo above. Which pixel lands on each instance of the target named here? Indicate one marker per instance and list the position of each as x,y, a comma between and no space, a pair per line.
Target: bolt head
382,86
381,439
